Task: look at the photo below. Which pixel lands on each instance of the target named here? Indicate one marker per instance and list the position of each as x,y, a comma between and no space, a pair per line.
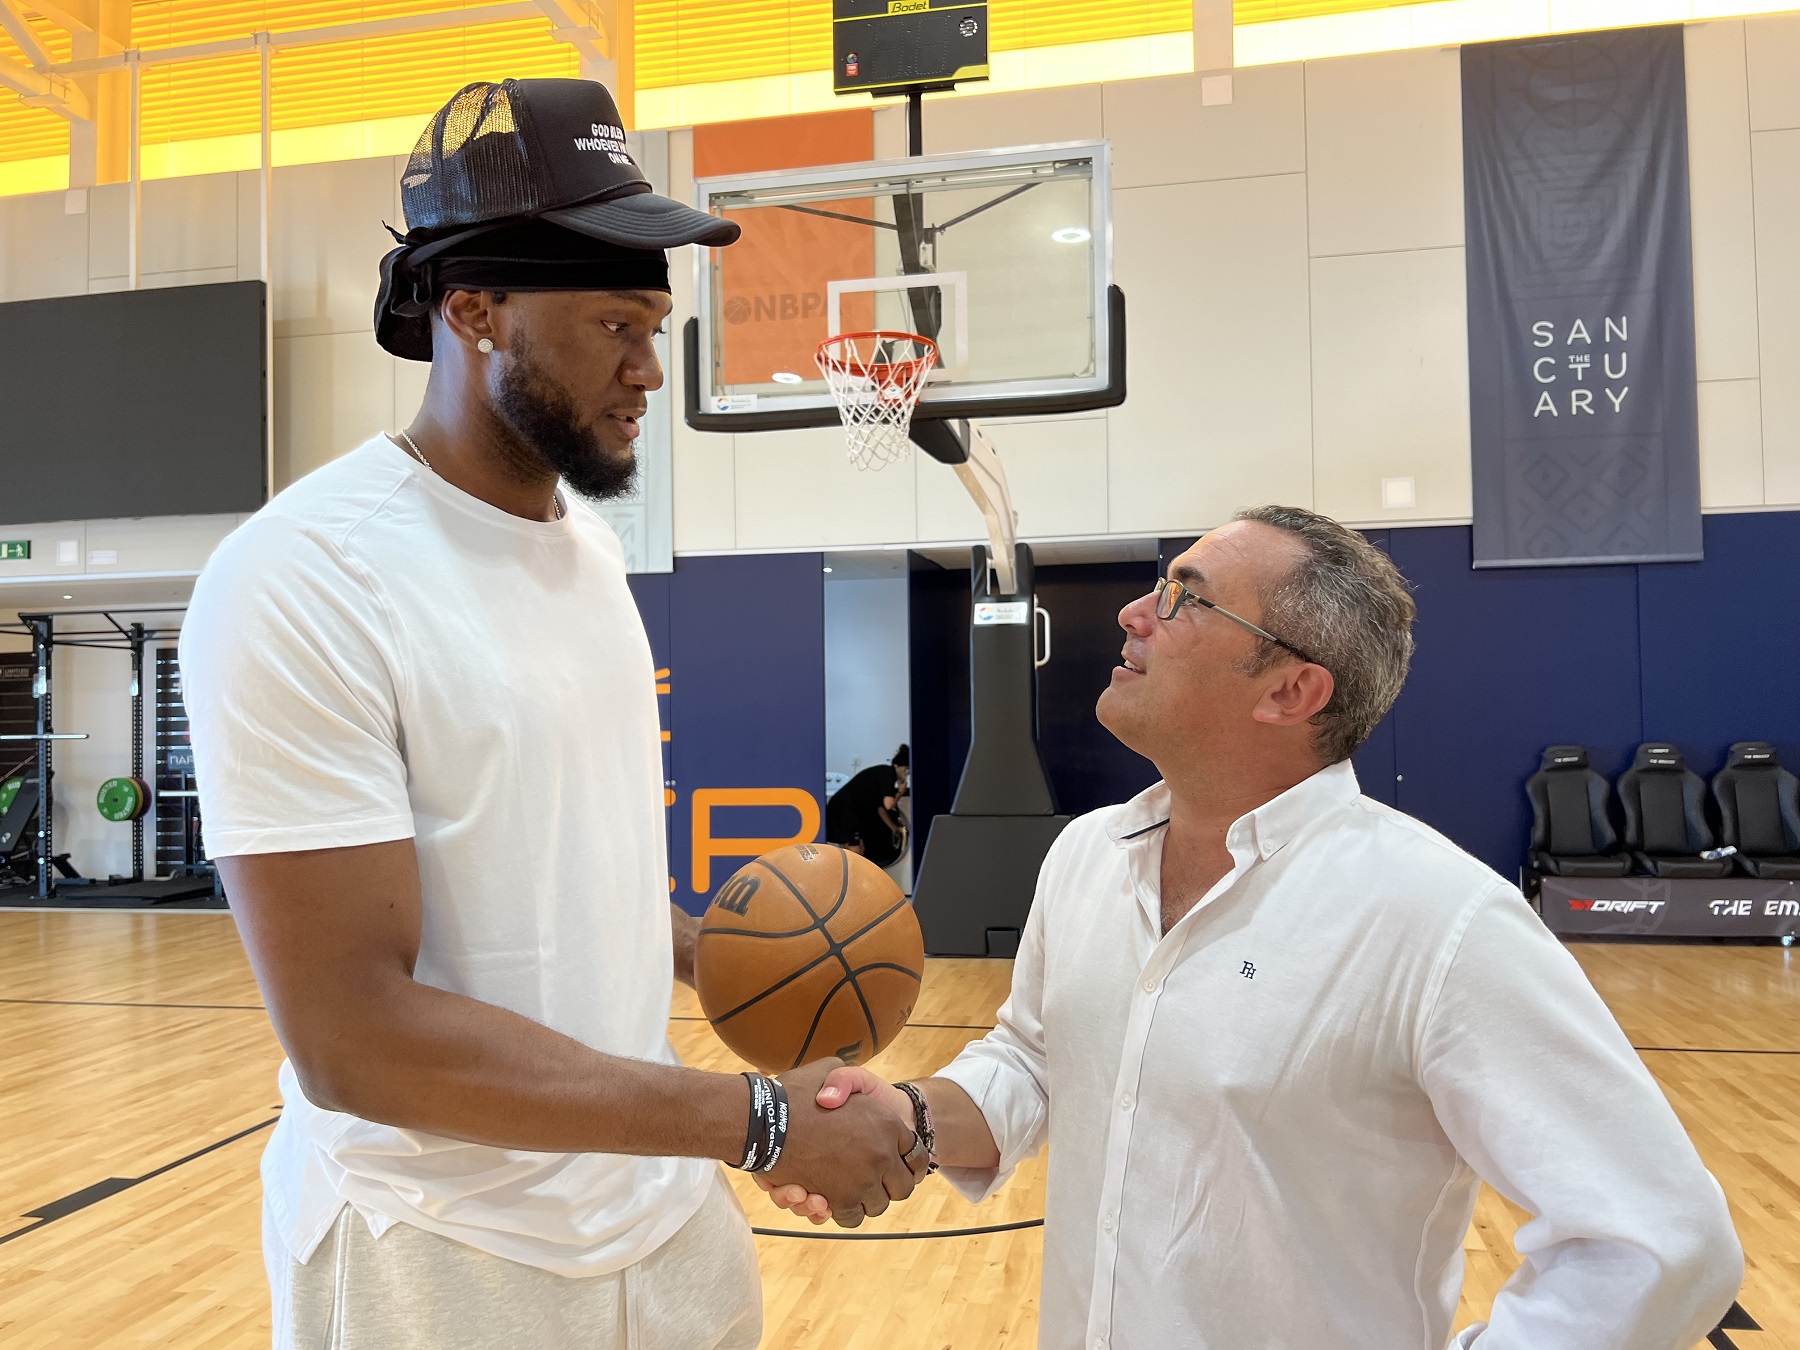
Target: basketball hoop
875,379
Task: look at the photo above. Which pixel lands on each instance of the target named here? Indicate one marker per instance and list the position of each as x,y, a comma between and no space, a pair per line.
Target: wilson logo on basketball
735,894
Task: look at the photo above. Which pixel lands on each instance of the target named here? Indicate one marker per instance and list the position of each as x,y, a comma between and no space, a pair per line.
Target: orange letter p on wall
707,847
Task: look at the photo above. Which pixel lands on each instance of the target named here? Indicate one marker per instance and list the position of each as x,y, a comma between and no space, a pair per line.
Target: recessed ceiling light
786,377
827,569
68,597
1071,234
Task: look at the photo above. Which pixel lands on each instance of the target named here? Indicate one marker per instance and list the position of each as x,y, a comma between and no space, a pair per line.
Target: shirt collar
1271,826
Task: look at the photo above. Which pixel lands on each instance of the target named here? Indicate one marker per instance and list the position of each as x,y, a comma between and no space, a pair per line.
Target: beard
541,430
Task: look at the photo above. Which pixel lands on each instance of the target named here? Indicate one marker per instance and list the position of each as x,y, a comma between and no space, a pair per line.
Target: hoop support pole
964,446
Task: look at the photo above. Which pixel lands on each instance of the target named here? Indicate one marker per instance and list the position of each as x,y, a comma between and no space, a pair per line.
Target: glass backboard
1003,258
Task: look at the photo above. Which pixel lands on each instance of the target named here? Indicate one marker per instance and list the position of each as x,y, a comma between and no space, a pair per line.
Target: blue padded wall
1507,661
743,638
1720,641
1510,660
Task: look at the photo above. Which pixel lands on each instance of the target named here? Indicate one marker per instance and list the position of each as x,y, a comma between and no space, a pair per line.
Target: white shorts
413,1290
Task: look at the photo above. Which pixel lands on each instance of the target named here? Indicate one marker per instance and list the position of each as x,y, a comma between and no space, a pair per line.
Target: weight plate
8,790
119,799
144,798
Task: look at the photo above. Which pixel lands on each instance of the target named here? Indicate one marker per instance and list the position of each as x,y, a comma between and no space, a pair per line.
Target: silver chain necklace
412,445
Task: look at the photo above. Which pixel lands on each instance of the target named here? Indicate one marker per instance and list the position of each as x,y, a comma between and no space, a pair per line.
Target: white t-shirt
377,655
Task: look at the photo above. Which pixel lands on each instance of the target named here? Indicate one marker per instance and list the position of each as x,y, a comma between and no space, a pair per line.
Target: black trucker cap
526,185
553,149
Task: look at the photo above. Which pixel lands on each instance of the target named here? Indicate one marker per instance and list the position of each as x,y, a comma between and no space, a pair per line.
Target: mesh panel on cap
471,164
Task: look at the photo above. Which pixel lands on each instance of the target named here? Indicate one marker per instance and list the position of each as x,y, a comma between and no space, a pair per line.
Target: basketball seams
757,932
818,1017
782,983
834,948
837,948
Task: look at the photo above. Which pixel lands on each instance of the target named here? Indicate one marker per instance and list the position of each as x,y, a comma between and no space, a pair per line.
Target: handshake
851,1147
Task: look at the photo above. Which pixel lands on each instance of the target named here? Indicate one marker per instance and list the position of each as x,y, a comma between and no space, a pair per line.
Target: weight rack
131,636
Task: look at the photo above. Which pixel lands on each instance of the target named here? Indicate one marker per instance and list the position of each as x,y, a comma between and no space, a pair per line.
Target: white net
876,379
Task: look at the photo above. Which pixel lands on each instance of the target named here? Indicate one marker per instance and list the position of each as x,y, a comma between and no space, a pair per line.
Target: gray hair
1347,606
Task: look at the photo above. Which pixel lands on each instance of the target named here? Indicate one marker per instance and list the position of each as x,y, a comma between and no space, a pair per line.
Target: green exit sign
12,550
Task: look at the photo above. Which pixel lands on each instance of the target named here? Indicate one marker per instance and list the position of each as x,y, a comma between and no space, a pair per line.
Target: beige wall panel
108,216
328,243
1772,52
705,488
1001,121
1719,191
44,559
1160,133
1384,151
190,225
156,543
1775,156
1390,384
410,378
798,489
890,130
204,276
1219,414
249,231
1731,455
43,251
332,392
1055,468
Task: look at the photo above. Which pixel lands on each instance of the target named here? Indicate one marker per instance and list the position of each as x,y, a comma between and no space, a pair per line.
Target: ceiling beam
474,17
43,90
576,23
59,16
14,22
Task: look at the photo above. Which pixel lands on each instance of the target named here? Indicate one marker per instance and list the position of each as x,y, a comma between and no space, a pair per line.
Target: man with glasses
1275,1033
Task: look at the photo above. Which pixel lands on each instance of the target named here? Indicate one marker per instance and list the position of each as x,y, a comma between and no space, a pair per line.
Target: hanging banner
1582,407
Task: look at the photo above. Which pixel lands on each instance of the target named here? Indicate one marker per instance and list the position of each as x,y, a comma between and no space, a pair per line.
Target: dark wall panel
1088,768
1720,641
743,639
133,403
1506,663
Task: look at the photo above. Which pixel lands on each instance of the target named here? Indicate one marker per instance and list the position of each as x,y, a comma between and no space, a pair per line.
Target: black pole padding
939,439
915,121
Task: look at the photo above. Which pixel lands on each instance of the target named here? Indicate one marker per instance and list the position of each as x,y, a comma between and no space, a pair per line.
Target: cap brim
646,220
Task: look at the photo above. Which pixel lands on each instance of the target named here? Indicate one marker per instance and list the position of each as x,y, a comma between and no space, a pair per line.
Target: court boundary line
88,1196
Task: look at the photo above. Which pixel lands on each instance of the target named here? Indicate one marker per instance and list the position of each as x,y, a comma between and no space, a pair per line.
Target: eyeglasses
1172,595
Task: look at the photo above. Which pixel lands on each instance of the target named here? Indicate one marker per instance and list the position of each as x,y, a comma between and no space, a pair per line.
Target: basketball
809,951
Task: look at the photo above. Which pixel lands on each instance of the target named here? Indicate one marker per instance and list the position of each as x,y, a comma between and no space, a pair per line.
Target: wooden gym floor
139,1085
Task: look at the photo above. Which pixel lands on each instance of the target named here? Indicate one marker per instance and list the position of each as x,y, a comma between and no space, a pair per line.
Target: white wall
868,690
1292,262
1293,265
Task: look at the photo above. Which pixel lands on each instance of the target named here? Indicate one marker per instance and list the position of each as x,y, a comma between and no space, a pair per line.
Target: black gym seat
1759,809
1571,835
1665,815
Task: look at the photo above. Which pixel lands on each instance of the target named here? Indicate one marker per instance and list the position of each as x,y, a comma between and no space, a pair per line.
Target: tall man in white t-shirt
1274,1033
426,736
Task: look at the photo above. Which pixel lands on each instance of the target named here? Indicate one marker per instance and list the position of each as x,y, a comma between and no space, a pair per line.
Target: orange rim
882,372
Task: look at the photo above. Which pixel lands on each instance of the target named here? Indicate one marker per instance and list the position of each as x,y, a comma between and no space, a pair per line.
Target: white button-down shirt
1267,1126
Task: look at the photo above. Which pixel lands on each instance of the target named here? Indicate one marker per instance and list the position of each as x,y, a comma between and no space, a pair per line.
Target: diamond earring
485,346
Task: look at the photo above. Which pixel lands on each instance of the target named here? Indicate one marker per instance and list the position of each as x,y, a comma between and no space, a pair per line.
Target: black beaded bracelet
767,1132
922,1125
